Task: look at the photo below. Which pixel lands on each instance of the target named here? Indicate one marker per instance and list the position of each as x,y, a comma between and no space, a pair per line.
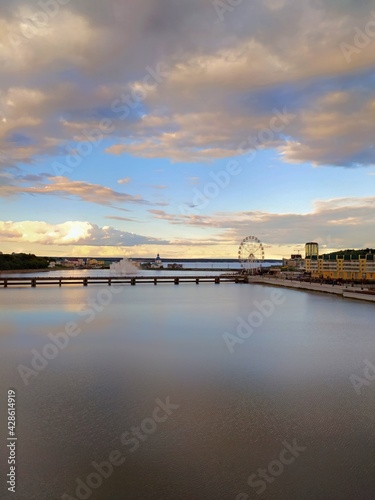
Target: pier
34,282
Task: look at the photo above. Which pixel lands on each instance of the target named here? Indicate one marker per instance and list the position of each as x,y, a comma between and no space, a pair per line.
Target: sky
130,128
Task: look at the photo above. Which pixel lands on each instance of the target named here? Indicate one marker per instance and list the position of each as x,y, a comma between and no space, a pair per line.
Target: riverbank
345,291
23,271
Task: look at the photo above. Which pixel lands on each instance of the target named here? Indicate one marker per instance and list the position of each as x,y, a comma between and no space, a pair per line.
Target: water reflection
289,380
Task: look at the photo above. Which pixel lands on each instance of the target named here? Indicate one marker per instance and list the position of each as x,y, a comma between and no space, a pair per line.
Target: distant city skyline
180,128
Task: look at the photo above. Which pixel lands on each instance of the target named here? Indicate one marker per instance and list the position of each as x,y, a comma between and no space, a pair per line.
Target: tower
311,249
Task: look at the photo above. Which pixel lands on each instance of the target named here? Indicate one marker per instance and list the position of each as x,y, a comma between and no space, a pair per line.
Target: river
188,392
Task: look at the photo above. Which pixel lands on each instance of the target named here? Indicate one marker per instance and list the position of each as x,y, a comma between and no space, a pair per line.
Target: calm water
204,269
288,381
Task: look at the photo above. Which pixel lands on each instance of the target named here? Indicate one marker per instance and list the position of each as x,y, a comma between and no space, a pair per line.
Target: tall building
311,249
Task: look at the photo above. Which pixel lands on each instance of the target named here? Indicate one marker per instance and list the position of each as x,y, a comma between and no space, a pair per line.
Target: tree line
353,253
10,262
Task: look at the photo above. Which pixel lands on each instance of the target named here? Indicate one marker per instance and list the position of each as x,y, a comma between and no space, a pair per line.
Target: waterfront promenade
344,290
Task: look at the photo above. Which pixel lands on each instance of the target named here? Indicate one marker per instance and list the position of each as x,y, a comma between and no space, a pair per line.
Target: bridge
117,280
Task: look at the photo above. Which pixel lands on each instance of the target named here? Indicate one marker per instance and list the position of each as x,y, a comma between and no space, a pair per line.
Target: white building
158,264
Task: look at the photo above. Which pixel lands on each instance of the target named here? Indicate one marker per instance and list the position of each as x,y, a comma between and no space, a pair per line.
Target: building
157,264
95,263
311,265
311,249
295,261
175,266
345,267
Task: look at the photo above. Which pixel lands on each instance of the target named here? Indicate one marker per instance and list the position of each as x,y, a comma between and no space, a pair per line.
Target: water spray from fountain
124,267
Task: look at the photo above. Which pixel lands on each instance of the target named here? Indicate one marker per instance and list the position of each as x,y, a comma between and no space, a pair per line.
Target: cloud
219,83
337,129
8,232
76,233
30,44
334,223
194,180
63,187
126,180
161,214
125,219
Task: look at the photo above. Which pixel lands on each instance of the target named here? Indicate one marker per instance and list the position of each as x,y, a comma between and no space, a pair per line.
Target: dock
34,282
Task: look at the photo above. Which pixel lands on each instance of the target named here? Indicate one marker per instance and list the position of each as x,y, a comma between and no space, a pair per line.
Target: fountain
124,267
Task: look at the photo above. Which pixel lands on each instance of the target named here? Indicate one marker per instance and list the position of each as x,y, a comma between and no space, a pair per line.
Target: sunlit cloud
72,233
63,187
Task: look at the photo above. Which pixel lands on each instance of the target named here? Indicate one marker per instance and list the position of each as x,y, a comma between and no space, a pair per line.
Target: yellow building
95,262
346,267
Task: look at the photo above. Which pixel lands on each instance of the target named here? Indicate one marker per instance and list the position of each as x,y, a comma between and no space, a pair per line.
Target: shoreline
344,291
23,271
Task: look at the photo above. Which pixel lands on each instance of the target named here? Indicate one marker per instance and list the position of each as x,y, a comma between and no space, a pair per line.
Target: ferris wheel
251,254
